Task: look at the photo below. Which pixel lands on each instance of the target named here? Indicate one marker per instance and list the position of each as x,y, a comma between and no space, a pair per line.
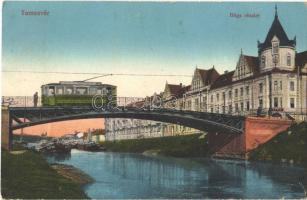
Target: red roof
301,59
253,63
174,89
208,76
178,90
223,80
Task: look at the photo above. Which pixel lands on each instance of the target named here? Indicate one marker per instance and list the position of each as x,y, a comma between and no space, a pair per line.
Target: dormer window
275,47
288,59
263,61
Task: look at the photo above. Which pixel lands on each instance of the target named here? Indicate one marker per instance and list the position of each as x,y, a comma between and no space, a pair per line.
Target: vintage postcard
153,100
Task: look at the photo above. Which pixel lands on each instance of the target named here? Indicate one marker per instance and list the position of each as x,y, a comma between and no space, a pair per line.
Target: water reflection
57,157
120,175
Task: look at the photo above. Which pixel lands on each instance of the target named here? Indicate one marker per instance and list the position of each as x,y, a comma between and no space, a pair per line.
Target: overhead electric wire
93,73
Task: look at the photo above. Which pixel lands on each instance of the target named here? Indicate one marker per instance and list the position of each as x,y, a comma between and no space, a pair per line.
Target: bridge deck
209,122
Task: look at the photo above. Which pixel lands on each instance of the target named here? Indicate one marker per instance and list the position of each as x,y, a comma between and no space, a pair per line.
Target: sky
58,129
134,37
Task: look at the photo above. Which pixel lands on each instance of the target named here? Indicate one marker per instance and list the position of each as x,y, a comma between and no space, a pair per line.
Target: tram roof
79,83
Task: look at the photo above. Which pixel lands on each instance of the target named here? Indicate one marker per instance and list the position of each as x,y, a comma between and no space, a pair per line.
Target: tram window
59,91
81,90
68,91
105,91
51,90
92,91
99,91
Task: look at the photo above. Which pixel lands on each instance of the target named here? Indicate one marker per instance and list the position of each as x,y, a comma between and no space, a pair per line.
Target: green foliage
177,146
288,145
28,176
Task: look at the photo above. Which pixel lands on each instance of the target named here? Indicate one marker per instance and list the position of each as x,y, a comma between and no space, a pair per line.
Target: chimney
180,84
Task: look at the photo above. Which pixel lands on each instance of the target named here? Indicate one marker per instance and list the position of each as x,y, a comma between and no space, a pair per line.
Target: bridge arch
208,122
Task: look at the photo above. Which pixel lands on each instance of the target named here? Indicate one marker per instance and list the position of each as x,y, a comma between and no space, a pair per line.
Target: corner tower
277,51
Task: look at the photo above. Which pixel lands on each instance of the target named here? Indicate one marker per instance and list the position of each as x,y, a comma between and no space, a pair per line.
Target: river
127,175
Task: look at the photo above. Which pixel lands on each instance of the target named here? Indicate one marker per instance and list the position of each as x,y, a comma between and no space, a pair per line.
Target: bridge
208,122
227,134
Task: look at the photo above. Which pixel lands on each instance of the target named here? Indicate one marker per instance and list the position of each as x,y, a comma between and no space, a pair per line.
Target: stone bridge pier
5,128
257,131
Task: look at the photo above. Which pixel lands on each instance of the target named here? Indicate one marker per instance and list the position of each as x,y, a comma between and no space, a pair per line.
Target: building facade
273,83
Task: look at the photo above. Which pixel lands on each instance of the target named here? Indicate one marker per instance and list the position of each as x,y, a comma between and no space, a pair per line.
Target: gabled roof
278,31
177,90
208,76
252,62
174,89
223,80
186,88
301,59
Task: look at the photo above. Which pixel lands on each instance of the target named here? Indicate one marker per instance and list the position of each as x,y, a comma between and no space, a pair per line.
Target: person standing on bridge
35,99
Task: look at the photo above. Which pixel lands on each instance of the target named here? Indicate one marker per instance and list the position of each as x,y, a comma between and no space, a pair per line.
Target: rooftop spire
276,14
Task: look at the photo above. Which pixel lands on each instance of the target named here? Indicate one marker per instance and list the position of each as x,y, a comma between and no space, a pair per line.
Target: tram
77,93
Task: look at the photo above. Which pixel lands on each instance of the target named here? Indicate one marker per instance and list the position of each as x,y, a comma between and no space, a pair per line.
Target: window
189,104
261,88
205,103
275,46
230,108
247,105
281,102
289,59
196,103
223,109
59,90
211,98
291,85
260,103
230,94
51,90
236,107
236,92
247,90
217,97
242,106
81,90
241,91
93,91
292,105
275,85
280,85
99,91
263,61
223,96
275,102
211,110
68,90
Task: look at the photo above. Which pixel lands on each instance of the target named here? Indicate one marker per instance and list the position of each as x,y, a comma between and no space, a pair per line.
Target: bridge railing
28,101
19,101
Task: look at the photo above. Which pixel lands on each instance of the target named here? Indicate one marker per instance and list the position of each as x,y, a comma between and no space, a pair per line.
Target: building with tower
272,83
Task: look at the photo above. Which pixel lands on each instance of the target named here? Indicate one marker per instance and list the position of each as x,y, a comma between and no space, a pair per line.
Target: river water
126,175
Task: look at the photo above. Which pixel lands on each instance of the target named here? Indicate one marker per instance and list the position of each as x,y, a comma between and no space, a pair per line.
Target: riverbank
27,175
176,146
72,173
289,146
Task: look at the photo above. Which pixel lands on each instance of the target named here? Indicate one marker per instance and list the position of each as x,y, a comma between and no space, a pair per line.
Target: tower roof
278,31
